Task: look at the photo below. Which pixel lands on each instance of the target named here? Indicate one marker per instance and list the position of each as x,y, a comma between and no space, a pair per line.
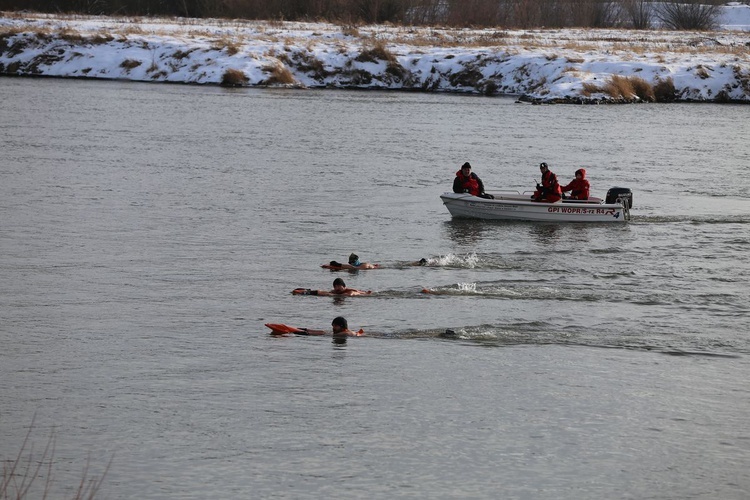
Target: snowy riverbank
536,65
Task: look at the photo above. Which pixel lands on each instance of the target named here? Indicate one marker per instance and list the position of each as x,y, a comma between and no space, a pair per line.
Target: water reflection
546,234
466,231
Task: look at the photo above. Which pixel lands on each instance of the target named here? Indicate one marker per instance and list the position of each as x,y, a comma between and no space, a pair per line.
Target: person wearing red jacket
468,182
578,187
549,190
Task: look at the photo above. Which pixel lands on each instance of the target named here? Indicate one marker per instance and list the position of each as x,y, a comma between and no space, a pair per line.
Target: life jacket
579,188
469,182
549,181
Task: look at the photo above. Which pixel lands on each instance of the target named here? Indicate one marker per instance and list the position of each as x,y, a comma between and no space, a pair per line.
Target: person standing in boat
578,187
468,182
549,190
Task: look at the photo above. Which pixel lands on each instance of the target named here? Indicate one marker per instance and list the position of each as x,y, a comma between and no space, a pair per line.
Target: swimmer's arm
308,331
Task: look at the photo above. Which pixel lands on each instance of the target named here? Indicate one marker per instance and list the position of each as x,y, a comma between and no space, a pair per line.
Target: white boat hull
516,206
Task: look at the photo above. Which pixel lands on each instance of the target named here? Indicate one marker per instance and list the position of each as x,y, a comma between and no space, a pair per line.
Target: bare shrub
101,39
743,78
351,31
377,52
643,89
20,474
468,77
70,35
234,78
182,54
359,77
306,62
722,97
688,15
594,14
664,90
638,13
11,50
130,64
396,70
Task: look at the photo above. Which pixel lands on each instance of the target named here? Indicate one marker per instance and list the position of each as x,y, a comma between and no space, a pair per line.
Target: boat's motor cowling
625,194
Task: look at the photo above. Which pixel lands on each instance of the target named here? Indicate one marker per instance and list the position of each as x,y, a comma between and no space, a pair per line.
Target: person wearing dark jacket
578,187
549,190
468,182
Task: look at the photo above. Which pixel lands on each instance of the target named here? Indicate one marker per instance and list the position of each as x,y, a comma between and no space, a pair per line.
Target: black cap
466,165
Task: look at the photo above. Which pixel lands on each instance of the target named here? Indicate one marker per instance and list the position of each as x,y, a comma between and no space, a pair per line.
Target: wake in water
468,261
542,333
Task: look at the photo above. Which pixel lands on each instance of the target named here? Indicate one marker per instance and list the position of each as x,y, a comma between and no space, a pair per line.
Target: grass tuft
234,78
590,88
702,72
229,44
130,64
642,89
664,90
378,51
279,75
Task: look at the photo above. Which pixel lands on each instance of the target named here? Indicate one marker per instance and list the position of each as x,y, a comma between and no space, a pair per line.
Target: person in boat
339,288
339,327
354,264
549,190
578,187
468,182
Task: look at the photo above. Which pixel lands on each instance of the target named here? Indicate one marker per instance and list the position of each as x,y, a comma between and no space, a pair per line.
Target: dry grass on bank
230,34
632,88
279,74
234,78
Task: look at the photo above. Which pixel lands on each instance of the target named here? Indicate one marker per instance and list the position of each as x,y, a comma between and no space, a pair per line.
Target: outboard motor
625,194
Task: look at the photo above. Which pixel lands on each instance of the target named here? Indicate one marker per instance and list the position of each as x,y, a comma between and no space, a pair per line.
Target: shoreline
520,99
570,66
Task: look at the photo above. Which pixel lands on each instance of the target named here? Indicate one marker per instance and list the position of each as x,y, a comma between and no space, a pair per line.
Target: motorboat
513,205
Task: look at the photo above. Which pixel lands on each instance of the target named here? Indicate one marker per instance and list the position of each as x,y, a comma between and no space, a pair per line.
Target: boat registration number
571,210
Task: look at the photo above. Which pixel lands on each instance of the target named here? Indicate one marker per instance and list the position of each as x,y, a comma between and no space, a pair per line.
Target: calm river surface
147,233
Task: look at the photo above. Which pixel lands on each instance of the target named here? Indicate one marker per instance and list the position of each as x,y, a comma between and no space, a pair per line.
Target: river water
147,233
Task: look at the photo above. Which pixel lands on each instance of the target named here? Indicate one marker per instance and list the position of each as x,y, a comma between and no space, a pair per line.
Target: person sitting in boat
468,182
354,264
578,187
339,288
549,190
